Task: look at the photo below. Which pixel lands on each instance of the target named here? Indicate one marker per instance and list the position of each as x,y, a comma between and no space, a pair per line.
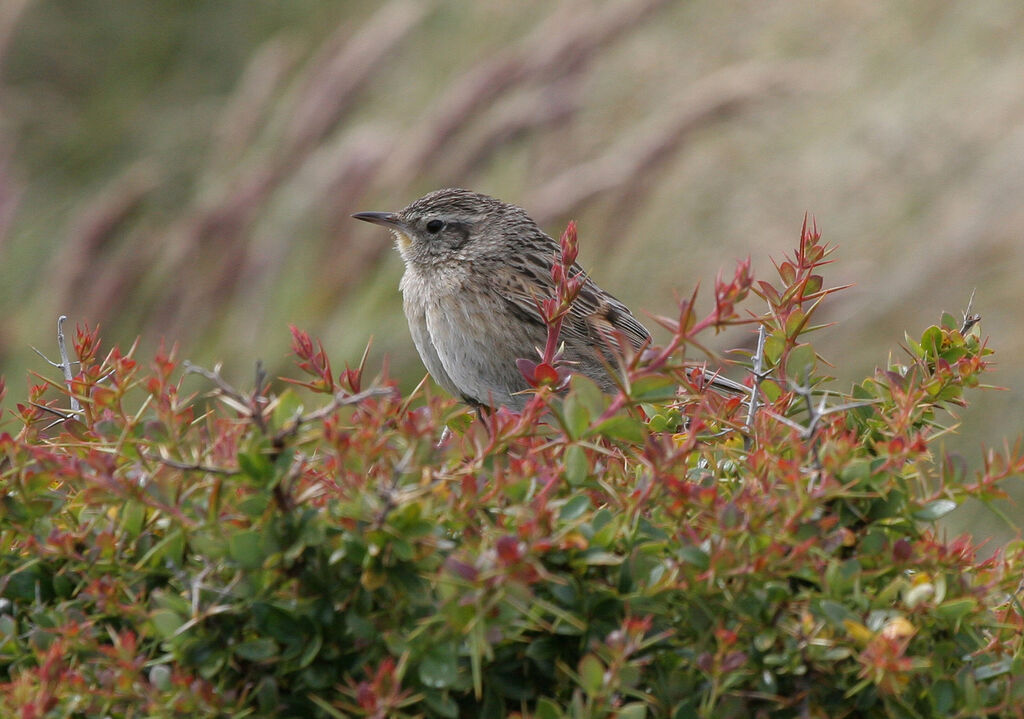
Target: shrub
308,548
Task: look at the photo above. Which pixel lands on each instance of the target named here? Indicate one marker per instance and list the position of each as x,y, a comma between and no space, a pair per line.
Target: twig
65,363
51,410
191,466
816,414
252,405
759,376
446,435
969,319
388,494
339,400
215,377
232,397
64,416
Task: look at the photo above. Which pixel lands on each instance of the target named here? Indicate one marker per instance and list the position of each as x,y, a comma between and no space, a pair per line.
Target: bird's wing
595,319
596,311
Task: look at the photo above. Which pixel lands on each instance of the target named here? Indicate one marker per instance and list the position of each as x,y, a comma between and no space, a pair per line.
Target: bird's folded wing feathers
594,315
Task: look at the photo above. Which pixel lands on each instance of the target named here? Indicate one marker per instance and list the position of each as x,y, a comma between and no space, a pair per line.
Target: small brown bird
475,268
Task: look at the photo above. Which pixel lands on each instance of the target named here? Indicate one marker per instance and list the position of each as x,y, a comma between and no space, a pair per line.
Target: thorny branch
65,367
192,466
254,405
759,376
969,319
65,363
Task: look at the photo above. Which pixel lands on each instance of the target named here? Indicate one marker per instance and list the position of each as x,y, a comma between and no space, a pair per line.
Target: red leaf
787,272
527,368
545,374
509,549
461,569
901,550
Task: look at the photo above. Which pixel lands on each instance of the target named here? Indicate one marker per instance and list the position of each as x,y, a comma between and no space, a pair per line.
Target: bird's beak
386,219
390,220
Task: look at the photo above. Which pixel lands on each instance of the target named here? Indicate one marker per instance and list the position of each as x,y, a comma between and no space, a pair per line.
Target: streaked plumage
475,270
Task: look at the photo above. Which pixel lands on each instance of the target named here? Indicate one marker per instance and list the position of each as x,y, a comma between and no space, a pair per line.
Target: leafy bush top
313,550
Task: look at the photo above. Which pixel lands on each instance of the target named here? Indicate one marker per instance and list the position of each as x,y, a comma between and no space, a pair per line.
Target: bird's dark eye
434,226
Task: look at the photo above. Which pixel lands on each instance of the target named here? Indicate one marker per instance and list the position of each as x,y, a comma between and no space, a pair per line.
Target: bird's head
454,225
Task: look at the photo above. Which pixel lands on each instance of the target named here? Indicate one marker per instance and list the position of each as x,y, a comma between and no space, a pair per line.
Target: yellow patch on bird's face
403,240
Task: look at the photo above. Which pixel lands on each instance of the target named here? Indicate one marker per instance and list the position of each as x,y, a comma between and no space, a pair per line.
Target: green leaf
800,363
133,517
287,406
591,674
577,468
935,510
547,709
254,505
326,706
795,322
635,710
442,704
360,626
160,677
165,622
657,423
864,412
459,423
956,609
771,390
576,416
574,508
246,548
873,542
256,465
438,668
280,624
76,429
256,650
948,321
310,651
765,640
622,427
168,550
696,556
268,696
655,388
931,341
836,613
605,529
588,394
994,669
943,696
774,344
8,634
598,558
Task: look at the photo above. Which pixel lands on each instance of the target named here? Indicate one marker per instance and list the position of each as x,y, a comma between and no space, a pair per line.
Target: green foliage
314,551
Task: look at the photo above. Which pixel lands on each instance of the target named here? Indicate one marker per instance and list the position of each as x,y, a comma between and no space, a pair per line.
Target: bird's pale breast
467,338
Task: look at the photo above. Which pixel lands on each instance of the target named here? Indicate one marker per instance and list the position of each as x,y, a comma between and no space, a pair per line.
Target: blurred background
186,170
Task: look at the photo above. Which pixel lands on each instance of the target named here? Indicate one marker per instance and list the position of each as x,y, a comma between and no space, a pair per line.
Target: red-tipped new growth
568,280
312,360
